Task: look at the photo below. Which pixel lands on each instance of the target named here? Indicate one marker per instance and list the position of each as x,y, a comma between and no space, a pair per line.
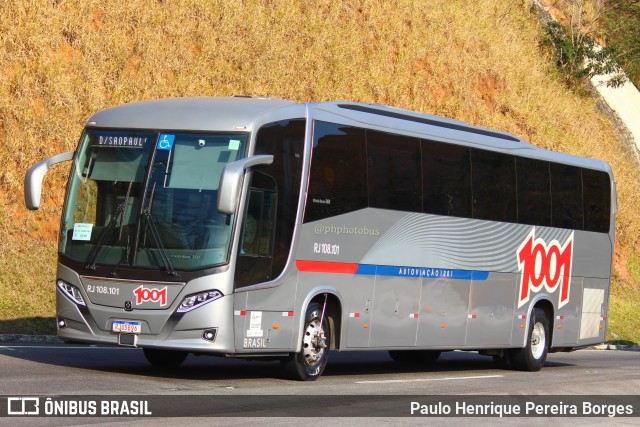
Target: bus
257,227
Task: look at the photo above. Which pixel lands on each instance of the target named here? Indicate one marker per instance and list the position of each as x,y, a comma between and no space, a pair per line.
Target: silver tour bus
258,227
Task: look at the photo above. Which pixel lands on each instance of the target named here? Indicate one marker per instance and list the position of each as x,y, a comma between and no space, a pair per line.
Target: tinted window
597,200
353,168
534,192
275,192
446,172
394,172
566,197
494,186
337,180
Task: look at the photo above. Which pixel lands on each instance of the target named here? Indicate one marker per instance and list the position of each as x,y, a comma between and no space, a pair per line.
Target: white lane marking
416,380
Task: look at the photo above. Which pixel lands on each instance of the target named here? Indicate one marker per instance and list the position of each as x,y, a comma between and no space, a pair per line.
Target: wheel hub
313,343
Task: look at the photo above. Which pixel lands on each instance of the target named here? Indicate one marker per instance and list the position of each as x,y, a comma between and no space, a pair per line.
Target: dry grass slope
476,61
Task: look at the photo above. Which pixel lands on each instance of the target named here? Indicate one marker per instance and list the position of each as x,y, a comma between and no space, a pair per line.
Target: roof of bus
238,113
198,113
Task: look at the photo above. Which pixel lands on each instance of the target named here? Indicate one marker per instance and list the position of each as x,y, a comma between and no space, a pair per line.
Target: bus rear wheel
534,354
164,358
309,363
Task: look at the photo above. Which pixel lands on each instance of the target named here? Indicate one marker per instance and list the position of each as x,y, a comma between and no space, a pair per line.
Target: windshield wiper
151,225
124,258
109,229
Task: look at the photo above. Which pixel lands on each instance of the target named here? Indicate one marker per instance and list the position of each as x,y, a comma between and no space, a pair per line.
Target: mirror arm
35,175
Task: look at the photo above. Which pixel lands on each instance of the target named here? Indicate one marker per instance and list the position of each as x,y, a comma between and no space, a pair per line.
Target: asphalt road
91,371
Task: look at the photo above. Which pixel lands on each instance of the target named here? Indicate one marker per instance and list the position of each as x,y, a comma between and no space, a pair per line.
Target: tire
164,358
425,357
309,363
532,357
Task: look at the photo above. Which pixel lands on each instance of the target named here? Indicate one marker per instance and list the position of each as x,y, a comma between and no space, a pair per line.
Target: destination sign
123,141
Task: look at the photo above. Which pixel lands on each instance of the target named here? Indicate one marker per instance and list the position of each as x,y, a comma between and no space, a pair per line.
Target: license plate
126,326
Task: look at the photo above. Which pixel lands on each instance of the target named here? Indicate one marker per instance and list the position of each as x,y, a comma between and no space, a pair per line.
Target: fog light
210,334
61,323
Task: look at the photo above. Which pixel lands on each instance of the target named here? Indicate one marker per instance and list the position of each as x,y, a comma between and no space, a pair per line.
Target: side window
446,177
394,171
597,200
534,192
337,180
566,197
272,204
494,186
259,224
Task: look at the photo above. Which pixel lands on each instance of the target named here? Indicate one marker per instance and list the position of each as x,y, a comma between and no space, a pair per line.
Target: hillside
481,62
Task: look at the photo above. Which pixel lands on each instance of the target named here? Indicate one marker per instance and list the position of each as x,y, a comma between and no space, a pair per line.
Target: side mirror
231,181
35,175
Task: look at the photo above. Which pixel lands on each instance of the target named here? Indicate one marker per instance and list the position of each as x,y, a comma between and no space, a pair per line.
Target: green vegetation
579,24
579,57
479,61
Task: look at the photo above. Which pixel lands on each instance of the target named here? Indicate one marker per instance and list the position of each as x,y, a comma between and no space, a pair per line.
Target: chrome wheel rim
313,343
538,341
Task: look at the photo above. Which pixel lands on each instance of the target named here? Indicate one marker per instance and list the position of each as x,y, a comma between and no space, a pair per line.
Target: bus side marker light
276,326
413,315
560,317
602,328
443,326
560,326
287,314
240,312
472,316
521,326
365,326
522,316
354,315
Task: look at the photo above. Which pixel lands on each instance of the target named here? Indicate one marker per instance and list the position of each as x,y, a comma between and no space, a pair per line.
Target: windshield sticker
255,325
82,231
234,144
165,142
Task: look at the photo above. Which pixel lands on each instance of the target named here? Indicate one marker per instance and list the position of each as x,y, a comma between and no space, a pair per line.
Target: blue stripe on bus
429,273
389,270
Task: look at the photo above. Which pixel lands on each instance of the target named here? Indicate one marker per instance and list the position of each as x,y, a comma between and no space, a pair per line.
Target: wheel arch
542,302
333,313
546,306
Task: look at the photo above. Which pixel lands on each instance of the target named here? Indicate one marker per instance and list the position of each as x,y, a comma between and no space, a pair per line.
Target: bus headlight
71,292
193,301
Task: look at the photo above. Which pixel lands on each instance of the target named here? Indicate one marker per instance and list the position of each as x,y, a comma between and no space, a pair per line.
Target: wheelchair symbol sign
165,142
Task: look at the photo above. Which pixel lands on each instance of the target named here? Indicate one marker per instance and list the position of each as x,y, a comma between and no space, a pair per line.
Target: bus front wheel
309,363
534,354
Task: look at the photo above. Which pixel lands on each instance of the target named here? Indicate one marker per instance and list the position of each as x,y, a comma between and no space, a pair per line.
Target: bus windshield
143,199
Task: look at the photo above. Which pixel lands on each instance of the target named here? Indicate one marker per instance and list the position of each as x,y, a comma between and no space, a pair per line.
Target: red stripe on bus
326,267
